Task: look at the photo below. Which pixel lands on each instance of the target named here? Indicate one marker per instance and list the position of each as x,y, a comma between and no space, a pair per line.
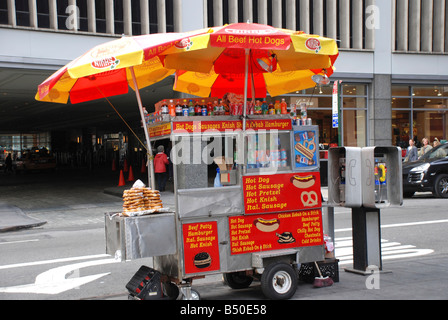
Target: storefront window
422,112
354,116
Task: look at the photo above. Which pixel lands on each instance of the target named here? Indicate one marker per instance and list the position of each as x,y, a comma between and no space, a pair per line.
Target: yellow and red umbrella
279,61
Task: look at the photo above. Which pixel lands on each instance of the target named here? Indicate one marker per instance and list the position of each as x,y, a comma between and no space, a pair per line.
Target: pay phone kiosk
366,180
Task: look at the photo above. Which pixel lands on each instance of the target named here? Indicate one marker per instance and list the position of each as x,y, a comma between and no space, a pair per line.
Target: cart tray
129,238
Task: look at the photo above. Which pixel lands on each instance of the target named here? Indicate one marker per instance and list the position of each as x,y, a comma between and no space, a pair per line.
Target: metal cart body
214,229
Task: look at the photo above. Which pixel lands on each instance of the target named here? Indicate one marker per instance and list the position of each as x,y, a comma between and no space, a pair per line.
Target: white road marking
55,281
36,263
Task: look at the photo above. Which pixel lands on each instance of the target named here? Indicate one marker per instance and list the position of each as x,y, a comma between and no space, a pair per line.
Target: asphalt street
414,253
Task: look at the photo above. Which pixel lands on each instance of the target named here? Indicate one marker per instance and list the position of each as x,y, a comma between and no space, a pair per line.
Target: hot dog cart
247,204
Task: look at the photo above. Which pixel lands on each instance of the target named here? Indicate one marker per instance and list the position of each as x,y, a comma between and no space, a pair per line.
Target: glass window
401,128
401,103
426,91
430,125
355,128
268,151
353,90
429,103
399,90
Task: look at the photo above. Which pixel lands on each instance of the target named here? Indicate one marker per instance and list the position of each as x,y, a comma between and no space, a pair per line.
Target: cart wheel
279,281
194,295
237,280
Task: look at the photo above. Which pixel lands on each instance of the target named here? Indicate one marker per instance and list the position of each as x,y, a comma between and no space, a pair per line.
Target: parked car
429,173
36,161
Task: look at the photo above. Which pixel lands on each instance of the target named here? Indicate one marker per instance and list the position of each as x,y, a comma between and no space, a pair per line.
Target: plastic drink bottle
277,107
172,108
191,108
283,107
185,108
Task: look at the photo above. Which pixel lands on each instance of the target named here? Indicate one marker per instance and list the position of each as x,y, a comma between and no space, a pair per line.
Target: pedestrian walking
412,153
8,163
160,163
426,147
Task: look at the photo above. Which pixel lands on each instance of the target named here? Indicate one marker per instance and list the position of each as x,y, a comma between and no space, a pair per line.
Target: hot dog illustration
266,225
304,182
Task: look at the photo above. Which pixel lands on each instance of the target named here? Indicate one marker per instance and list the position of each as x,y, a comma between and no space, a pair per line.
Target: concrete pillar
144,17
305,16
177,15
91,16
357,24
12,20
344,23
277,14
110,18
402,25
53,13
439,26
380,116
331,31
426,27
248,11
217,13
369,28
233,11
161,16
318,17
32,7
291,14
127,17
414,25
263,11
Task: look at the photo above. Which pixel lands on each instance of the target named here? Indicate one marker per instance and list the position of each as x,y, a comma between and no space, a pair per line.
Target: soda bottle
209,109
283,107
197,109
257,109
191,108
172,108
277,107
203,108
215,108
264,108
271,109
164,108
185,108
178,108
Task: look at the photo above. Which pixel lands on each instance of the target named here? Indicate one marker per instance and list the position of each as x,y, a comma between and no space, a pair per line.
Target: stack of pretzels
140,199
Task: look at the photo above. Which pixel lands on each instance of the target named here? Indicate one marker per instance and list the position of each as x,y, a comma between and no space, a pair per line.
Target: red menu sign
201,252
202,126
281,192
275,231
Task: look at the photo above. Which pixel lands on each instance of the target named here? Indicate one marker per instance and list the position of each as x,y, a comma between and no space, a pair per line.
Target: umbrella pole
151,180
246,74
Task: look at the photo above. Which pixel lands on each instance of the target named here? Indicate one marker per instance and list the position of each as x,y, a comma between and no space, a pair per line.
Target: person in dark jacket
160,163
412,152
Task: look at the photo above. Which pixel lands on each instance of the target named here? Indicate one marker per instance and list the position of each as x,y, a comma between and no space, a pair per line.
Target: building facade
393,60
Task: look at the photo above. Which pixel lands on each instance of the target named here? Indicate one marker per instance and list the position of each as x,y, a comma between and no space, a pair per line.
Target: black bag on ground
145,284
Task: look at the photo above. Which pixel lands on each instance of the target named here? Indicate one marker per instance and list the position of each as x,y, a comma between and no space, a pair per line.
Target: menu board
281,192
201,252
275,231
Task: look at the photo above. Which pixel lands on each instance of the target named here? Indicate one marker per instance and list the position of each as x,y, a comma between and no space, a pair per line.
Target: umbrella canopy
279,60
105,70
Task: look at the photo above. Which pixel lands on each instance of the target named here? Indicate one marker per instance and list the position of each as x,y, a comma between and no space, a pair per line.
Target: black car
429,173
